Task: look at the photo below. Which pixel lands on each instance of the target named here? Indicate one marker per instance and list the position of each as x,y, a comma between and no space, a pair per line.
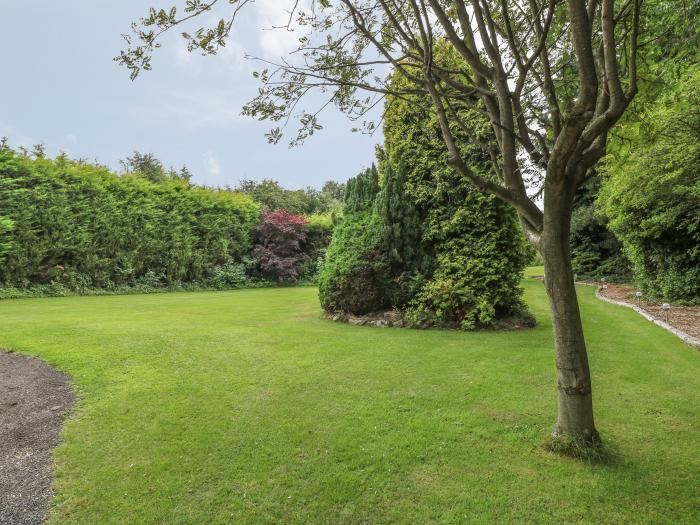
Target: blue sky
60,86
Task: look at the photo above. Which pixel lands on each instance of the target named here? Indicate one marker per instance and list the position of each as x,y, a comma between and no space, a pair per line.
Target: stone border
686,338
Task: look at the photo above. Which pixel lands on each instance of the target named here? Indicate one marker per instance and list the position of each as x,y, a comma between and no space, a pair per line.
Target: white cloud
212,164
182,56
196,109
69,139
274,14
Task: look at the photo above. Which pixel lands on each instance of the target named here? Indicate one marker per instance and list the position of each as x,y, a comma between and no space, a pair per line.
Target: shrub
651,195
353,278
231,274
280,247
480,258
595,251
77,218
478,249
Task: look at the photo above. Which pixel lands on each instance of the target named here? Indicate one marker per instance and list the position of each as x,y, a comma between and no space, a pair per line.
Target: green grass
246,407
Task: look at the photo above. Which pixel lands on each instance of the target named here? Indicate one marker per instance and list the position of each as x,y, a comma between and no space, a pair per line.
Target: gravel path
33,400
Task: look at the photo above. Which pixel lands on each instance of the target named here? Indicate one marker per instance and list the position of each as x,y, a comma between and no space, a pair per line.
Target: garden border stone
686,338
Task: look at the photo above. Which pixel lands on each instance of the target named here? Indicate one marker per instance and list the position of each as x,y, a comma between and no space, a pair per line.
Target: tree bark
575,407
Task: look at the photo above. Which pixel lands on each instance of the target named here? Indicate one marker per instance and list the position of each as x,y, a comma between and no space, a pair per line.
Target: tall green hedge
595,251
651,194
76,221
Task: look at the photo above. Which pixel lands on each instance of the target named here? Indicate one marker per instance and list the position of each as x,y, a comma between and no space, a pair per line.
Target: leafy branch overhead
552,76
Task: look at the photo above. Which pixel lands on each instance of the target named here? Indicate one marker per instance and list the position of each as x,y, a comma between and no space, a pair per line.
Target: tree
145,164
596,252
333,190
553,77
149,167
274,197
651,194
281,237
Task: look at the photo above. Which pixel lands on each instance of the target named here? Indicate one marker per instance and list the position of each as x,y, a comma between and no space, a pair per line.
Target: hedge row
78,226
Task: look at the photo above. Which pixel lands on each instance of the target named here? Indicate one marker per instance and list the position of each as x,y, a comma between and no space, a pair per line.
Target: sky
60,86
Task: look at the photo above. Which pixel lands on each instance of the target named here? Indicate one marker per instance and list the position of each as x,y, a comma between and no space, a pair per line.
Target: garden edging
686,338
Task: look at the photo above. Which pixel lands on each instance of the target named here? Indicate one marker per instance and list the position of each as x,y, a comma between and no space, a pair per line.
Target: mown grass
246,407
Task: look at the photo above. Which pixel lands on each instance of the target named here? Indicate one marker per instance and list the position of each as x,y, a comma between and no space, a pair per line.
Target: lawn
247,407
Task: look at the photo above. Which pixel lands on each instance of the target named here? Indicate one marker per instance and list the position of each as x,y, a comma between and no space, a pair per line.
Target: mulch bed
33,400
684,318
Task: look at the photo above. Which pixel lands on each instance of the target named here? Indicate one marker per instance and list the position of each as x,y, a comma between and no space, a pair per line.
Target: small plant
150,280
230,275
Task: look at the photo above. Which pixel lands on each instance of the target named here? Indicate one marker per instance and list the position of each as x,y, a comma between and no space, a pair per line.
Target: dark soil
33,399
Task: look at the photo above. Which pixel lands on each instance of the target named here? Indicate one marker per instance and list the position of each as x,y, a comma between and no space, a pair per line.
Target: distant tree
145,164
151,168
39,150
273,197
182,174
333,190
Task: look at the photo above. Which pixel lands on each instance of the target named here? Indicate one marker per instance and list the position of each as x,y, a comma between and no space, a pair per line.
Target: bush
651,195
232,274
280,248
595,251
478,250
72,218
479,263
353,278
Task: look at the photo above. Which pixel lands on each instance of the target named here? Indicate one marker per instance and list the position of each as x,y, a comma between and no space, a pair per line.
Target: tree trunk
575,410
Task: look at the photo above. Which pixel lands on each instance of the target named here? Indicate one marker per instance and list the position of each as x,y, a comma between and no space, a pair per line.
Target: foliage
402,236
5,229
76,223
651,195
595,251
402,228
356,271
273,197
361,191
280,237
149,167
233,274
479,264
478,248
319,231
356,274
